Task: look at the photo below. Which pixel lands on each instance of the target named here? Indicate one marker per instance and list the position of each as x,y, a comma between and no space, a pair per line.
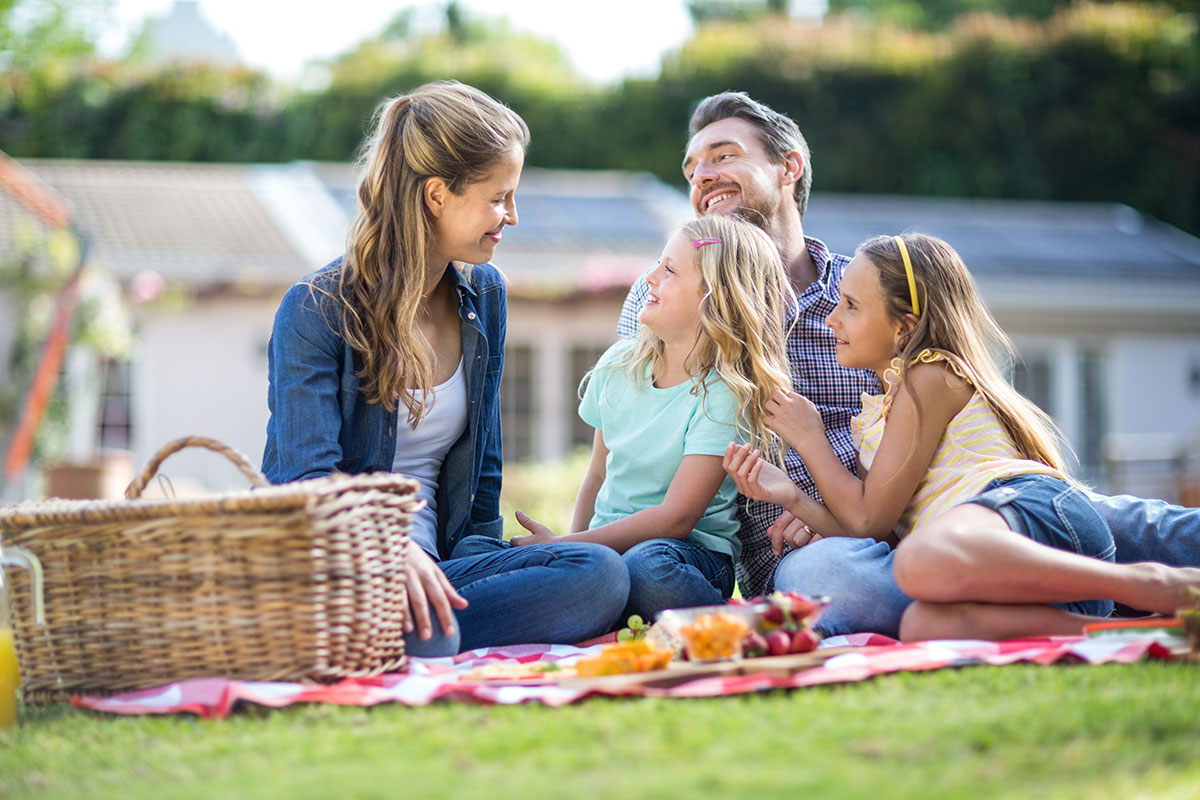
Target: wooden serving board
682,672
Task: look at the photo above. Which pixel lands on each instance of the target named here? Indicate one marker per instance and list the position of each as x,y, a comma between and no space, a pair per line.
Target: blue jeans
856,574
675,573
563,592
1151,530
1058,514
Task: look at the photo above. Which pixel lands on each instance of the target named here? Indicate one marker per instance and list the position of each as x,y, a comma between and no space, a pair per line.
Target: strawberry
773,615
778,642
804,641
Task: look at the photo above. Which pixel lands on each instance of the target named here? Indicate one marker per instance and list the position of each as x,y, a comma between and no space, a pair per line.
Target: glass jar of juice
9,676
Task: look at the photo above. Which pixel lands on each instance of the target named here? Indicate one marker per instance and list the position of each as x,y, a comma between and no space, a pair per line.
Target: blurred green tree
36,35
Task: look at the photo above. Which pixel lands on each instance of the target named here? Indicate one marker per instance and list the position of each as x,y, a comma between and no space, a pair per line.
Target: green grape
625,635
636,623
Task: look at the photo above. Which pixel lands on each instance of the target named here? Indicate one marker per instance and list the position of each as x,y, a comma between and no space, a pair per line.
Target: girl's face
867,336
467,227
672,309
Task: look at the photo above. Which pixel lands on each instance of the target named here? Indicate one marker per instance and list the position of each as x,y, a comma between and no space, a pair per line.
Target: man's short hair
779,133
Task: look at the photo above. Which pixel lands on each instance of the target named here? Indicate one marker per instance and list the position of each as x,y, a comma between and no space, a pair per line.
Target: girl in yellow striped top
995,539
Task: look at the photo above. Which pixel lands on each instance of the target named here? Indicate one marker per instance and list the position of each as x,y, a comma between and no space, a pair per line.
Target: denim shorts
1055,513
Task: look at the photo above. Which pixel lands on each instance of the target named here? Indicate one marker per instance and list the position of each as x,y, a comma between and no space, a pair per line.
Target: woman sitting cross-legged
389,359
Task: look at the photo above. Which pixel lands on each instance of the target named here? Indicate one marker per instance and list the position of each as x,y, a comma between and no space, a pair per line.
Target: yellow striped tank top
974,451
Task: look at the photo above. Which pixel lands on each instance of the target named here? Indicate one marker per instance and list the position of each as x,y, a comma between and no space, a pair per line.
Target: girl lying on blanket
996,539
665,406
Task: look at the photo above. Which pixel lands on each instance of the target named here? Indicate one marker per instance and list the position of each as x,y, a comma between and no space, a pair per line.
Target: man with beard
745,158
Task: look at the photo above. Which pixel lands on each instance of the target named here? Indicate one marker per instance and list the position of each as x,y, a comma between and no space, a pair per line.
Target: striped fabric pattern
974,451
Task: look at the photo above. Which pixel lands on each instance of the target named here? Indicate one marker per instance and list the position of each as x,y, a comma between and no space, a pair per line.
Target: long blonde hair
742,338
445,130
955,322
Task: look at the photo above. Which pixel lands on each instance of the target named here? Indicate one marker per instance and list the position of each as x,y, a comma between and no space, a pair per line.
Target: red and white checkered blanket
427,680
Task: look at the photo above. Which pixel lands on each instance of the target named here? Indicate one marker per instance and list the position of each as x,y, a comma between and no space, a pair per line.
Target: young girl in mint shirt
667,404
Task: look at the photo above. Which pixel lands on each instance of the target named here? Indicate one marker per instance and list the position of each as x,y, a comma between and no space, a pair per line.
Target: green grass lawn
980,732
1017,731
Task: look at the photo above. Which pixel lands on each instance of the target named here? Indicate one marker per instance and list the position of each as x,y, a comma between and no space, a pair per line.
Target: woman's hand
538,533
756,478
787,529
795,418
428,587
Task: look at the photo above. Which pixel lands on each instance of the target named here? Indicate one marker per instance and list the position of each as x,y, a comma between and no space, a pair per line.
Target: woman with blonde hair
667,404
390,358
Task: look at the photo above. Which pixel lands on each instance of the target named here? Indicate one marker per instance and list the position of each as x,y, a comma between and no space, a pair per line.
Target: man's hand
756,478
428,587
795,418
787,529
538,533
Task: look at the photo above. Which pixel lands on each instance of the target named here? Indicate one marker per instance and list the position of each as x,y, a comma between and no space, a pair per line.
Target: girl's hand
428,587
538,533
756,478
787,529
795,418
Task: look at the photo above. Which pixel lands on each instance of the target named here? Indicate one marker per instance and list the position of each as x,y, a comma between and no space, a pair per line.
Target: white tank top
420,452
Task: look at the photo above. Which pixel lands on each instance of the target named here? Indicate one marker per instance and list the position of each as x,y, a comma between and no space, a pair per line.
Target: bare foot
1159,588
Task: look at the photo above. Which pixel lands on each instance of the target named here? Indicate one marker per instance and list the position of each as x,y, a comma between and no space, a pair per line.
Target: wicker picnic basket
303,581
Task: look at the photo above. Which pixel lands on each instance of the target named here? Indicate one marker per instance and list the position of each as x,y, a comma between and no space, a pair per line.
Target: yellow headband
908,270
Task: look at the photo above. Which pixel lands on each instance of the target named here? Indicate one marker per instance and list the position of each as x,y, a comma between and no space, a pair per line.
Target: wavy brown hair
955,322
742,341
441,130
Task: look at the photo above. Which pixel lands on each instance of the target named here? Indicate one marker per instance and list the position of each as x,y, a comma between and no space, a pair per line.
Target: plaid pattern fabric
835,390
854,658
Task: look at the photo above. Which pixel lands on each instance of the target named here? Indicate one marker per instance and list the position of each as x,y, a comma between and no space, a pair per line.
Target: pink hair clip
698,243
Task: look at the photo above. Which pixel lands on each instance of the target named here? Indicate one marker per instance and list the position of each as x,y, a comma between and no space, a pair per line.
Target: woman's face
467,227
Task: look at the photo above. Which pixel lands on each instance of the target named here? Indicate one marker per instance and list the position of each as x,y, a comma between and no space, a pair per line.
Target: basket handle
256,478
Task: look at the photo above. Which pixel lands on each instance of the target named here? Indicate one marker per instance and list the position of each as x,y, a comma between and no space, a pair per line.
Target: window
115,422
583,358
1032,376
1093,413
516,403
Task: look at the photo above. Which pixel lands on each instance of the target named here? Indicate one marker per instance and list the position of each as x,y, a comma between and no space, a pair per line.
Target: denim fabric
856,574
561,592
1055,513
1150,530
675,573
321,422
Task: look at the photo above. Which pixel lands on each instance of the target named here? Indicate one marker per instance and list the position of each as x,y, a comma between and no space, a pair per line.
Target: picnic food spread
775,625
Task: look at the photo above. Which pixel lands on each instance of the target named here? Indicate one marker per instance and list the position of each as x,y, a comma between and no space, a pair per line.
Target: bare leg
924,620
970,555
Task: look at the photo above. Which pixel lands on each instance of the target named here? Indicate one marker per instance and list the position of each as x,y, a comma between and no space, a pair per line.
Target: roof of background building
202,224
221,225
996,238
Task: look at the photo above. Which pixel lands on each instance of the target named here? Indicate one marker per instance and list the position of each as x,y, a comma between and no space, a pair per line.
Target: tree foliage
1097,102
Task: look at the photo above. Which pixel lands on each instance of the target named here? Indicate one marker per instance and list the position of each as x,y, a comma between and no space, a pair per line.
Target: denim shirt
321,423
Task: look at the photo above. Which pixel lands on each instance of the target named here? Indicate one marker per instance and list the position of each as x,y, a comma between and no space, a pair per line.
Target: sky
605,41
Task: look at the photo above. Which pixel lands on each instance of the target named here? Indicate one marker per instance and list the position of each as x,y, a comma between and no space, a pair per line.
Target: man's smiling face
730,172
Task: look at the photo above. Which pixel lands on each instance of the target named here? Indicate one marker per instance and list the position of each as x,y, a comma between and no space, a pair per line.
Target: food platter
677,673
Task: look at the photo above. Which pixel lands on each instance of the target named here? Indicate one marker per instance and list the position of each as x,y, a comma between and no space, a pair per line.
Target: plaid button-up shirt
834,389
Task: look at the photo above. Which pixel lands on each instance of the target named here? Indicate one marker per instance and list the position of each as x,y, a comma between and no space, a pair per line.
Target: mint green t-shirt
648,431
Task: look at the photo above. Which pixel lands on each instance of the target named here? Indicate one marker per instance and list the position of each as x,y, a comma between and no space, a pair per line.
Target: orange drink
8,680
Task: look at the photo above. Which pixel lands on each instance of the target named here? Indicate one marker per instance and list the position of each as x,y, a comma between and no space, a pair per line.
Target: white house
1101,300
